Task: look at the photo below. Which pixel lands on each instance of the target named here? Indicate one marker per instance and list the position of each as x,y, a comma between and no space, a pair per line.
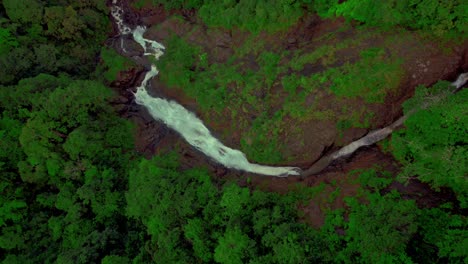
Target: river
193,130
186,123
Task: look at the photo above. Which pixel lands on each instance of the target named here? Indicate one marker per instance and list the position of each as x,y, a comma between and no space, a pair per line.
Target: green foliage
432,15
169,4
208,85
10,149
382,229
425,97
64,111
177,63
51,37
374,233
325,8
46,56
371,78
138,4
388,13
234,247
24,11
229,225
16,105
253,44
112,64
64,144
433,145
325,54
63,23
269,66
373,179
9,211
254,16
7,41
113,259
73,191
444,236
15,63
440,18
261,142
247,94
290,83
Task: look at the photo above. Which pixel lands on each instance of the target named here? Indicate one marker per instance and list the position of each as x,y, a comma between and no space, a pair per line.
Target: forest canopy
73,188
438,17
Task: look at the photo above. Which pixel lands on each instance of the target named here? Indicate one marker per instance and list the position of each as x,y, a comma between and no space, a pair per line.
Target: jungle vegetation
74,190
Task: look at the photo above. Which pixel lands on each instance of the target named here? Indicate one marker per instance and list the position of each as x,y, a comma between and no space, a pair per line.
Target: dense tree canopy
433,147
188,218
73,190
438,17
51,36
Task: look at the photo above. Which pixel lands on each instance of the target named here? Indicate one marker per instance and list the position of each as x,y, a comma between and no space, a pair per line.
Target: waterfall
187,124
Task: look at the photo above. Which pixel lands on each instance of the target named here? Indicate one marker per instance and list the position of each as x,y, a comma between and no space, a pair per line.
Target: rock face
128,78
429,68
424,63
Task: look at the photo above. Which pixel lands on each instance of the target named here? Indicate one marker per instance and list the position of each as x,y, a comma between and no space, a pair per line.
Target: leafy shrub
113,63
439,17
371,78
376,232
254,16
189,219
432,147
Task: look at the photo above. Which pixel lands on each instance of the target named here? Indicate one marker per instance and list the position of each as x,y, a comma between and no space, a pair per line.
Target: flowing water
375,135
195,132
175,116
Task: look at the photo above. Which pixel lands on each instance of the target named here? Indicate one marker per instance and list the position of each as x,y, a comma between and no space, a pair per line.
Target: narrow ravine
373,136
192,129
175,116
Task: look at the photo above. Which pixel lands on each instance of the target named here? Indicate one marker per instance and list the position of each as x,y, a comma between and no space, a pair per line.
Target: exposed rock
172,25
122,99
128,78
120,108
424,64
350,135
430,68
222,39
464,65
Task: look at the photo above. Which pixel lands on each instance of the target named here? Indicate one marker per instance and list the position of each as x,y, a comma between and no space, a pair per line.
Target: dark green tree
377,232
432,147
24,11
443,236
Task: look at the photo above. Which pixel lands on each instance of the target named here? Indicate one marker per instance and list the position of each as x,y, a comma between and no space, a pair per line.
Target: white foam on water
461,80
189,126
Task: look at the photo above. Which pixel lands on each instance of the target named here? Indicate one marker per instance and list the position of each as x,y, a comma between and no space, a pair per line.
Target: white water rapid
460,81
183,121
